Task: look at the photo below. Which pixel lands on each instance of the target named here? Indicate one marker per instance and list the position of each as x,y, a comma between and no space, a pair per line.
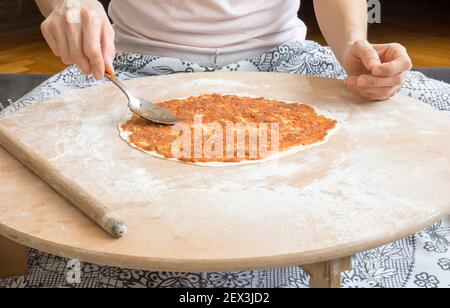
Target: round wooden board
383,176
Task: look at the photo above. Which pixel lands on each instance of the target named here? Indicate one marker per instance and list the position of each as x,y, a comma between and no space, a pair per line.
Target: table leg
13,258
327,274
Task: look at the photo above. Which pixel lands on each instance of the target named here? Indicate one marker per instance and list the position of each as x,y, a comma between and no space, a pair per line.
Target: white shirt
208,32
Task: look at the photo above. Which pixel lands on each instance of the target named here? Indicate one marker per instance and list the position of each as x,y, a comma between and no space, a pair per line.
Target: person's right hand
80,33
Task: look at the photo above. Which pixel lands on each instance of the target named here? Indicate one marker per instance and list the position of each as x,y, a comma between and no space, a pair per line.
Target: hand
376,71
79,32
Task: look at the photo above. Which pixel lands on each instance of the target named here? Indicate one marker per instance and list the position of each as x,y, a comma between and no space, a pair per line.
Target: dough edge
124,135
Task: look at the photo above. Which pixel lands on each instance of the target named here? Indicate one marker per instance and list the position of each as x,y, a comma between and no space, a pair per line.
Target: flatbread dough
127,134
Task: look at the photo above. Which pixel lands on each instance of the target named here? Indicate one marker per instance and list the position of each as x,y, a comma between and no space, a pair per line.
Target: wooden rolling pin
85,202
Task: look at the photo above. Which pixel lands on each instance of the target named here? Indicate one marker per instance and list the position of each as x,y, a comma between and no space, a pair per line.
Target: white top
208,32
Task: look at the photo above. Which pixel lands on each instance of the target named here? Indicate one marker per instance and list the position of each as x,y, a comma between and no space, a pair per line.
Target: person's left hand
376,71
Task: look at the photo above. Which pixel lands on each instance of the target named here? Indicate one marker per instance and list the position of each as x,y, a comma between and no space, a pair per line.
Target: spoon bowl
145,108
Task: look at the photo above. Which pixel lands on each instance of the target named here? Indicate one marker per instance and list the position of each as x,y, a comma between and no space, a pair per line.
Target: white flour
358,185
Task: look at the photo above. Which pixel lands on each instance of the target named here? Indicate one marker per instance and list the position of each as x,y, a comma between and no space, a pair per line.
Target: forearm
47,6
342,23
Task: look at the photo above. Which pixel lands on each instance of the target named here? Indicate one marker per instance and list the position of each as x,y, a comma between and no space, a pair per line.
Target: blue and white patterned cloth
421,261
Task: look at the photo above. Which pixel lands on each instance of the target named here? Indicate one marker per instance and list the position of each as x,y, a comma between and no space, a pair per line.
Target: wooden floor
22,47
423,27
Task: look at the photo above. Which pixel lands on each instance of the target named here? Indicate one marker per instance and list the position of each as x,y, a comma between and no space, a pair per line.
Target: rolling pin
93,208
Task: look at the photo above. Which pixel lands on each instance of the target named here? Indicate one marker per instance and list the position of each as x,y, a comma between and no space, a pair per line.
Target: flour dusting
371,179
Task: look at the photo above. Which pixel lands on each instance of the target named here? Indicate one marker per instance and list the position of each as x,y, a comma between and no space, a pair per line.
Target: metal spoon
144,108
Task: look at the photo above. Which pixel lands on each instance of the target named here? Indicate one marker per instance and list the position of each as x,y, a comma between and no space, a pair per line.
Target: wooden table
383,176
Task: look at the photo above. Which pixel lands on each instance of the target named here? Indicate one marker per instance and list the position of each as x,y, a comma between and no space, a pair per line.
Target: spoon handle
120,85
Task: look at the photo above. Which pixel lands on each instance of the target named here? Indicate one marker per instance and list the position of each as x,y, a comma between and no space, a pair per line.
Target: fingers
380,94
92,30
371,81
377,94
108,48
75,40
366,53
372,93
396,61
394,67
87,40
63,47
50,38
384,79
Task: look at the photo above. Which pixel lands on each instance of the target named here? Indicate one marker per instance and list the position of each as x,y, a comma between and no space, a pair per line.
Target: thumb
364,51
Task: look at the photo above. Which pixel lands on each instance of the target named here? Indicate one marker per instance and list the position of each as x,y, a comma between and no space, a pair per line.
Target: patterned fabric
420,261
